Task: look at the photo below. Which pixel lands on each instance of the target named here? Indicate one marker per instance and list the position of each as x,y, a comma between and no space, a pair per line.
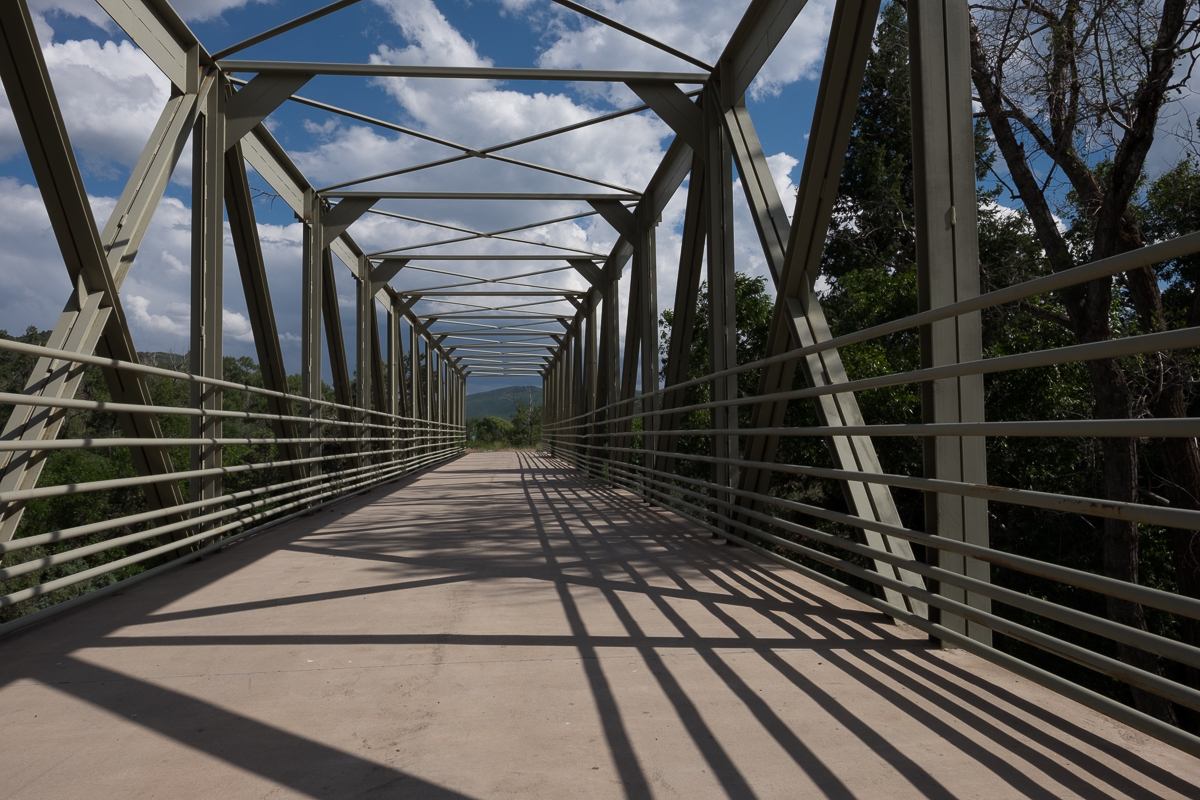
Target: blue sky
111,95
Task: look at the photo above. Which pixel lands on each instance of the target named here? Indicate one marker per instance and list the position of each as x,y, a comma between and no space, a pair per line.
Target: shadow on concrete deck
478,604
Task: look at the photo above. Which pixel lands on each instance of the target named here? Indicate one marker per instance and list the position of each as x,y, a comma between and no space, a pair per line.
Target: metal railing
624,444
350,450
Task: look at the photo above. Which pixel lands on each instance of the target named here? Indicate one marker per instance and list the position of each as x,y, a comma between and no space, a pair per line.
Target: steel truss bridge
375,481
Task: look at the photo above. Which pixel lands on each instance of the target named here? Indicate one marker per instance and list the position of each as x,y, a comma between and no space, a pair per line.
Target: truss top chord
476,73
582,196
495,257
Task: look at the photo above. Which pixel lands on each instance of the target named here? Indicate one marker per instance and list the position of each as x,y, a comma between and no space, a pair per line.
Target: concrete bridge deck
502,626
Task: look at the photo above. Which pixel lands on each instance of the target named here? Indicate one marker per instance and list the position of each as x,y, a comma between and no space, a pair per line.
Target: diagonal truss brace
93,320
799,320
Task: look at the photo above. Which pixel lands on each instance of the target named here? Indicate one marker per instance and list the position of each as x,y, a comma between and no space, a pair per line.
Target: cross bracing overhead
444,292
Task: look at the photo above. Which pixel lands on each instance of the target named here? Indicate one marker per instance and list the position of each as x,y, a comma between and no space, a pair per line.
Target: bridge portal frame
386,427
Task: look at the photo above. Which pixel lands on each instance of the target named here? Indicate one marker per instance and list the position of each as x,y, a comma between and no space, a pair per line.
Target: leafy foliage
98,462
523,429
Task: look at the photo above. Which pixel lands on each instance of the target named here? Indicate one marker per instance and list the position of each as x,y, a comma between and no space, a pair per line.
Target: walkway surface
504,627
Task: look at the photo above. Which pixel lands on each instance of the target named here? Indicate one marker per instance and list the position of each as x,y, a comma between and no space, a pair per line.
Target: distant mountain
501,402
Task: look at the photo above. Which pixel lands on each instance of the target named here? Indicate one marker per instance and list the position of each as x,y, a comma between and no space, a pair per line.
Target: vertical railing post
364,297
545,402
427,382
434,390
443,406
568,389
414,391
948,272
645,262
208,244
550,405
577,389
312,310
590,384
683,322
722,305
456,399
611,367
395,359
561,391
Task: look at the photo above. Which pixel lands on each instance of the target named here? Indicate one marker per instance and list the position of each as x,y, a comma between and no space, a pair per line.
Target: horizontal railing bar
23,495
18,445
78,577
1150,642
1106,705
335,478
1109,666
1101,703
1134,259
1156,598
1152,428
1091,351
65,534
1092,506
80,552
46,613
136,408
130,366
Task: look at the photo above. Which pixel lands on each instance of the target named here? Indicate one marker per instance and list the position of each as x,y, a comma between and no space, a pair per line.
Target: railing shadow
553,527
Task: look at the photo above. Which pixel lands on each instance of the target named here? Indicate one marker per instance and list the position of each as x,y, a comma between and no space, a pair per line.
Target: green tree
487,430
753,309
1074,94
869,276
526,425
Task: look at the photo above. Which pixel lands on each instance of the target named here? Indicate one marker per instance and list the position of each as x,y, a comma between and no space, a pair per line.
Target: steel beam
757,35
396,405
93,320
645,263
255,102
284,28
364,326
335,341
208,280
948,271
468,73
676,109
583,196
766,207
591,362
636,34
379,386
312,301
799,320
414,372
246,246
629,363
340,217
427,383
388,269
158,31
722,296
615,214
683,318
